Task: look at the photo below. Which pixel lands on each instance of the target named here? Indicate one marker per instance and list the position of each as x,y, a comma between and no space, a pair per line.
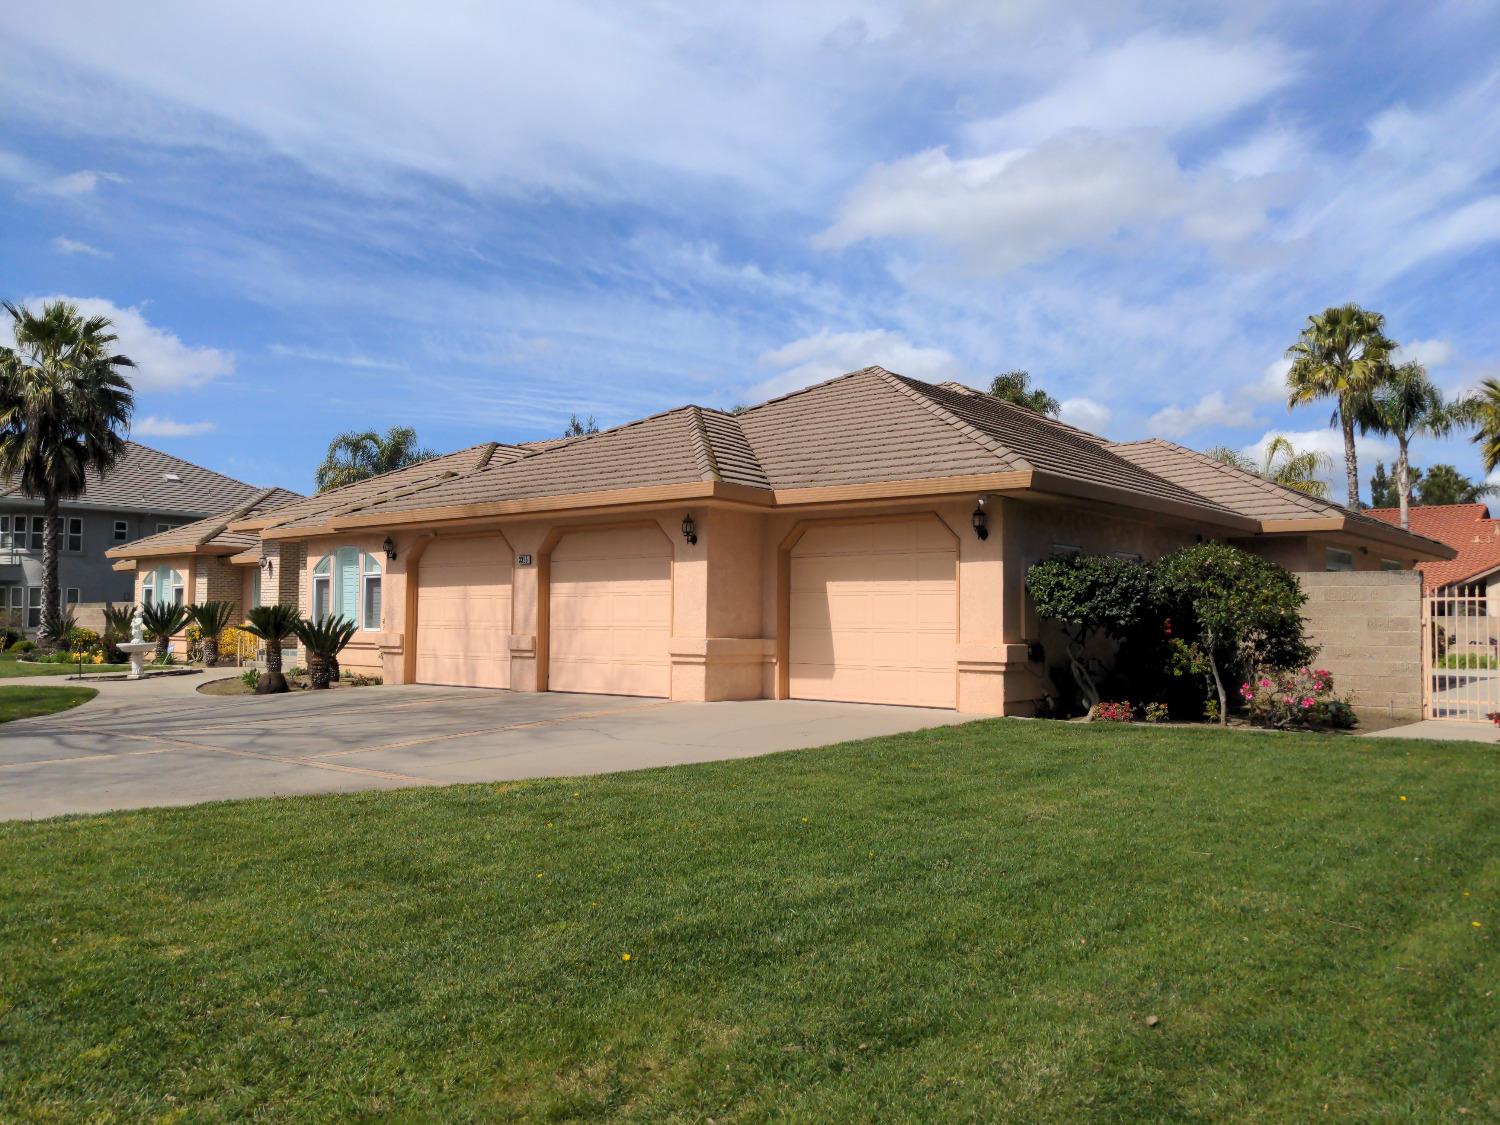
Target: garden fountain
136,648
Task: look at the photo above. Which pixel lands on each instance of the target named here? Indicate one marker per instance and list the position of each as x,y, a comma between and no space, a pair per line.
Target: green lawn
25,702
969,923
10,668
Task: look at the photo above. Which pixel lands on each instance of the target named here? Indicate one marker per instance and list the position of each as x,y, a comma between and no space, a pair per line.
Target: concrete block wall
1368,625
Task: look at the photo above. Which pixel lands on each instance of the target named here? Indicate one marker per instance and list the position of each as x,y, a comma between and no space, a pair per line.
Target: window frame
73,541
368,578
6,542
37,540
33,607
1328,559
122,531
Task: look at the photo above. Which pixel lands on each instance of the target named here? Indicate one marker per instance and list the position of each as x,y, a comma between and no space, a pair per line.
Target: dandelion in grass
1403,796
1475,923
626,956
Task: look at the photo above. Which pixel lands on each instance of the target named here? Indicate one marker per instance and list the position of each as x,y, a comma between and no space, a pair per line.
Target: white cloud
1429,353
1013,208
352,360
1330,443
827,354
1149,81
1085,413
1234,409
64,245
163,361
78,183
158,427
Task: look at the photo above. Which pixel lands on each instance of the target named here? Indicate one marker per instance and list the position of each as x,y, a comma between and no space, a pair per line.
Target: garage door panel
464,613
611,613
874,614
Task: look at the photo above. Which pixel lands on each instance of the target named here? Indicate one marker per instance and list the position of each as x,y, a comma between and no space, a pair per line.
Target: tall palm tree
1299,469
1340,354
1404,405
1482,409
64,401
357,456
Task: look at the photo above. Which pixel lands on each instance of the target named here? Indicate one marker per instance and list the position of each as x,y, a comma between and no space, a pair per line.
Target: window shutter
348,596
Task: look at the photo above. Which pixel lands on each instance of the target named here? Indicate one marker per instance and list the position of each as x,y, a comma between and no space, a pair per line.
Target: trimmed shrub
1113,712
1297,698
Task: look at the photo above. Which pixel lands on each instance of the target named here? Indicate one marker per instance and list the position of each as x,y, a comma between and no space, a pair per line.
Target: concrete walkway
1442,730
161,742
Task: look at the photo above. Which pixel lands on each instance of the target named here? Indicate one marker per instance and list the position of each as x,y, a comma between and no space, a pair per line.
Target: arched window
346,583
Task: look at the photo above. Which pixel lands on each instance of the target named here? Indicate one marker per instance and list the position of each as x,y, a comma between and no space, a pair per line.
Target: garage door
463,613
874,614
611,613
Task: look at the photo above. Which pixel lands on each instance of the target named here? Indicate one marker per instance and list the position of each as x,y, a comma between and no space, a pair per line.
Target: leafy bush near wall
1296,698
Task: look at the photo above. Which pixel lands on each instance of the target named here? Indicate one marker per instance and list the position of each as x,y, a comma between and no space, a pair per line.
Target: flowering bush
84,640
1156,712
1113,712
234,643
1299,697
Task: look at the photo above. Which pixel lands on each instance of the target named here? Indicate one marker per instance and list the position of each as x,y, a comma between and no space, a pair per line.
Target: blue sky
312,218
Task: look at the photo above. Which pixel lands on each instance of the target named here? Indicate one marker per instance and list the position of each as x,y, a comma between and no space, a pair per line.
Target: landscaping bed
1024,920
18,702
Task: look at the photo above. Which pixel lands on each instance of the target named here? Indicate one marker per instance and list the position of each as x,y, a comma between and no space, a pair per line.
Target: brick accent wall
1369,627
215,580
284,585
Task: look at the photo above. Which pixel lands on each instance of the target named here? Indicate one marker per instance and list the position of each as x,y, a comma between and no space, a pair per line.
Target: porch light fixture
265,565
980,520
390,547
689,529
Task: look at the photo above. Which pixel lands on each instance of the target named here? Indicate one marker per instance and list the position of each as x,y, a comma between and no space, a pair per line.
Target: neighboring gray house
146,492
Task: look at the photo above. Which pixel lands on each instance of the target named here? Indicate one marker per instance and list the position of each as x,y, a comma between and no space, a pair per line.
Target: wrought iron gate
1460,651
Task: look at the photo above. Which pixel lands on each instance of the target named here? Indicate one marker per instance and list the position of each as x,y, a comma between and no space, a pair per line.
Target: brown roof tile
148,480
212,532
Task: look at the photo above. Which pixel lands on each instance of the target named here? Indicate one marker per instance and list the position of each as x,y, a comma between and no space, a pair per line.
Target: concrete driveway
164,743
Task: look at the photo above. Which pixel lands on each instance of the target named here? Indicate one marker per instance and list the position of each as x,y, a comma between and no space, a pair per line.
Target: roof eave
1053,483
1422,548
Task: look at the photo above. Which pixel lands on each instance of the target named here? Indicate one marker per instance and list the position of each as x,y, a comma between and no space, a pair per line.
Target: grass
11,668
975,922
28,702
1466,660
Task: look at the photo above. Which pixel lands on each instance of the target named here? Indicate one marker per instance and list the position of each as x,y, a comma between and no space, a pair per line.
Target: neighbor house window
1339,559
346,584
164,527
122,531
33,607
164,584
70,597
75,534
38,528
371,591
1390,564
5,539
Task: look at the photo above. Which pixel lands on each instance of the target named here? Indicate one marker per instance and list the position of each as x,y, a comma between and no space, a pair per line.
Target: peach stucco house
865,539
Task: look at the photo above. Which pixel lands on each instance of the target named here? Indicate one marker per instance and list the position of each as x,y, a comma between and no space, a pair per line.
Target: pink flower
1306,703
1265,683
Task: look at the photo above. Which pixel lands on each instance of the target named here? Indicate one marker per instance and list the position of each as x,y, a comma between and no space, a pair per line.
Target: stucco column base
523,671
998,679
712,669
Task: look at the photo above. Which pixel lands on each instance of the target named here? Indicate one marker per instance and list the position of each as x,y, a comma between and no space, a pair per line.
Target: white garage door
463,613
874,614
611,613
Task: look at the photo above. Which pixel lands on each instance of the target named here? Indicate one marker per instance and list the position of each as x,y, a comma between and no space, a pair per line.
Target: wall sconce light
390,547
980,520
265,565
689,529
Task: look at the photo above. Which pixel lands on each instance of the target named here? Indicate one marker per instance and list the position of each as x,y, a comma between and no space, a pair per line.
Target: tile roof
1467,528
1247,493
148,480
867,427
213,531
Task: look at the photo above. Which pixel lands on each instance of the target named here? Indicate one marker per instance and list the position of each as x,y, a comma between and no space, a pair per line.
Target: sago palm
63,404
357,456
324,640
212,618
162,621
1406,404
272,624
1341,355
1299,469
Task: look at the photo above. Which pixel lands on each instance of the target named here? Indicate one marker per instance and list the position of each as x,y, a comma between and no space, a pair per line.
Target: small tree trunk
51,594
1351,462
273,682
317,671
162,644
1086,686
1403,483
210,650
1213,666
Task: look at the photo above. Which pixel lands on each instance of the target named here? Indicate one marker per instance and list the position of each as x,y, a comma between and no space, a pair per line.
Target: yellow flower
538,874
1475,923
1466,894
1403,796
626,956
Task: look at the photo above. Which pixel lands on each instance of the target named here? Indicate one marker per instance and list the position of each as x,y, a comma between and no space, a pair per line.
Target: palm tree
1015,387
1290,467
162,621
324,640
1341,354
357,456
1482,409
212,618
63,403
272,624
1404,405
1283,463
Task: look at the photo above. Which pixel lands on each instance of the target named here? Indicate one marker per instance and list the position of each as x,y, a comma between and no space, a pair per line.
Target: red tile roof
1467,528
